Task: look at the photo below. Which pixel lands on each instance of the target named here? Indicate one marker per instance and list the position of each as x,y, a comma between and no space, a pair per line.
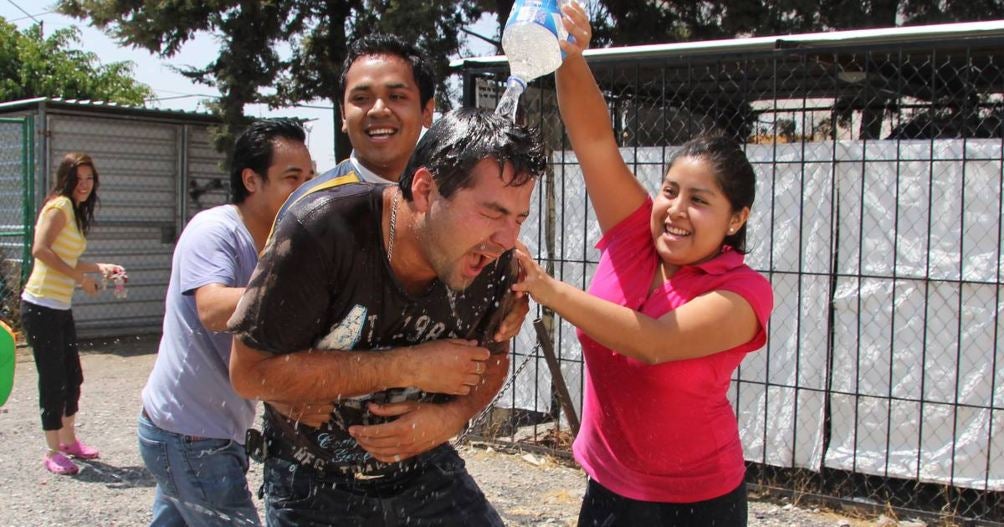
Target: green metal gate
17,212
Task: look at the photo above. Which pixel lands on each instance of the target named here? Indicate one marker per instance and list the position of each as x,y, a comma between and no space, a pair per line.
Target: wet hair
66,182
254,149
733,172
384,44
462,138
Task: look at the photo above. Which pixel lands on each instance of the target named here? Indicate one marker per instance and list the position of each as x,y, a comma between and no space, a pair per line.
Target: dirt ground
116,489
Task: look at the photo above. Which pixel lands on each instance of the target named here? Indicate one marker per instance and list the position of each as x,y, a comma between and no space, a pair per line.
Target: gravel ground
116,490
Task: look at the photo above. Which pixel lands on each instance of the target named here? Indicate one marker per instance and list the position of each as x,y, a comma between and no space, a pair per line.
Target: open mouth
675,231
476,262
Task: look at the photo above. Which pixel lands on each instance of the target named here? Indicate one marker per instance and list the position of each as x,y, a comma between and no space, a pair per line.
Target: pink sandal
60,464
80,450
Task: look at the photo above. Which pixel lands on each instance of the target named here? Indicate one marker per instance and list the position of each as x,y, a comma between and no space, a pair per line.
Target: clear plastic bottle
530,42
120,291
118,280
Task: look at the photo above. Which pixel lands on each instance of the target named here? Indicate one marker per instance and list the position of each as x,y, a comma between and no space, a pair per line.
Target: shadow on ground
96,471
122,346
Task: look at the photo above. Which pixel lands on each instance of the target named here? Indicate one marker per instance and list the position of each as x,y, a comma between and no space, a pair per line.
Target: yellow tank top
46,282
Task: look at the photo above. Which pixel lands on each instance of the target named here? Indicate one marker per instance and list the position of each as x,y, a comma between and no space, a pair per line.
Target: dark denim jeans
438,492
199,481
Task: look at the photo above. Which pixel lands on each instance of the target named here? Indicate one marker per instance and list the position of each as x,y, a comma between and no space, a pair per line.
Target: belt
183,436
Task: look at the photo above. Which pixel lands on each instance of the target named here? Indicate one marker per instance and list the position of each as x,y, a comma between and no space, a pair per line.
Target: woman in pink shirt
671,312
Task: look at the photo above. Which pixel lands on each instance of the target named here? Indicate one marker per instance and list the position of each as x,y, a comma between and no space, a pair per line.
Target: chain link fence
16,205
878,220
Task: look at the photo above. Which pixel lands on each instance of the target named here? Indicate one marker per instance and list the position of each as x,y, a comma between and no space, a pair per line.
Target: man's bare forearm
312,375
215,304
449,366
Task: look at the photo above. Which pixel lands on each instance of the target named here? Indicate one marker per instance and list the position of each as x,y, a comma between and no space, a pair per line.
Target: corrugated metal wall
207,184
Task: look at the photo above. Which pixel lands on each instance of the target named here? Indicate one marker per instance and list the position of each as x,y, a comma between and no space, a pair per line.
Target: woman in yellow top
59,241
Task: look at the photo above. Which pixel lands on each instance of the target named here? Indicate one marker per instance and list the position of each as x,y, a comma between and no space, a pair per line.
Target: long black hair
66,182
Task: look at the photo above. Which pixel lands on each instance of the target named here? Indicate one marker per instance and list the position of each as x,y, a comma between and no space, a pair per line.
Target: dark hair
254,148
384,44
733,172
460,139
66,182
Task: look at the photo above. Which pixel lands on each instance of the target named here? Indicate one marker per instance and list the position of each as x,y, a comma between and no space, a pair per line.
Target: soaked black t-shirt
323,282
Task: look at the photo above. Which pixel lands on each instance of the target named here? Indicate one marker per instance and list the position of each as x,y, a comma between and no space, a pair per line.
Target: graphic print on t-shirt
345,334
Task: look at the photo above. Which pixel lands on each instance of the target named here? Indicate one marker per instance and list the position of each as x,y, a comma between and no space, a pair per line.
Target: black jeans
53,340
602,508
439,492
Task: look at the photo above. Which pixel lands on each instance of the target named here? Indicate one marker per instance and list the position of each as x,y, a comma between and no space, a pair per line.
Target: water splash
451,297
509,103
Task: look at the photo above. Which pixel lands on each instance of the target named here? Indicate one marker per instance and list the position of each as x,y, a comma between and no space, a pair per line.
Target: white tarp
779,391
916,312
915,306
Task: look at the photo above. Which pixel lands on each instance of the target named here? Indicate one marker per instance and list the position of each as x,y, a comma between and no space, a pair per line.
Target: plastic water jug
530,42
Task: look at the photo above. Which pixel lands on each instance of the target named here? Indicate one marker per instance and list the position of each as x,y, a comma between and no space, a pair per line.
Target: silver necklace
393,225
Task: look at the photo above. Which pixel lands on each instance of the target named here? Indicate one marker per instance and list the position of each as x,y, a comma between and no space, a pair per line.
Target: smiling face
85,184
382,113
462,235
691,215
291,167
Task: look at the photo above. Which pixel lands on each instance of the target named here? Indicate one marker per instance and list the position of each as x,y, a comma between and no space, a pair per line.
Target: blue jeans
199,481
437,493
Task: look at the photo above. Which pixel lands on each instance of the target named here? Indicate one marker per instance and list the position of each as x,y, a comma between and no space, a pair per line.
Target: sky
174,91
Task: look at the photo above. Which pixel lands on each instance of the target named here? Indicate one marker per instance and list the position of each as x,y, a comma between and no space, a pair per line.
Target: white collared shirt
367,174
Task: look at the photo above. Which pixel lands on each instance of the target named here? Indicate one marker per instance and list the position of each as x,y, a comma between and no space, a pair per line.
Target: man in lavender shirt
192,426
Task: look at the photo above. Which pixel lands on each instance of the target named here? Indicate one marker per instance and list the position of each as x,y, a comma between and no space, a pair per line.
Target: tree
249,69
690,20
35,66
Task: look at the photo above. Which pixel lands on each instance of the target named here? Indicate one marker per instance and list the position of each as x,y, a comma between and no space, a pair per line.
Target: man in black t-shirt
381,298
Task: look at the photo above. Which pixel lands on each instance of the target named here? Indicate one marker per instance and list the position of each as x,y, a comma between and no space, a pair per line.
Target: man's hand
513,320
450,366
420,427
519,304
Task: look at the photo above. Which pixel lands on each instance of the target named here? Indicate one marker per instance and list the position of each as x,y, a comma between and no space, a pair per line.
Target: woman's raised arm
613,189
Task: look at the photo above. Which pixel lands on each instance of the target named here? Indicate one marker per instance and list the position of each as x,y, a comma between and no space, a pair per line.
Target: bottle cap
516,81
